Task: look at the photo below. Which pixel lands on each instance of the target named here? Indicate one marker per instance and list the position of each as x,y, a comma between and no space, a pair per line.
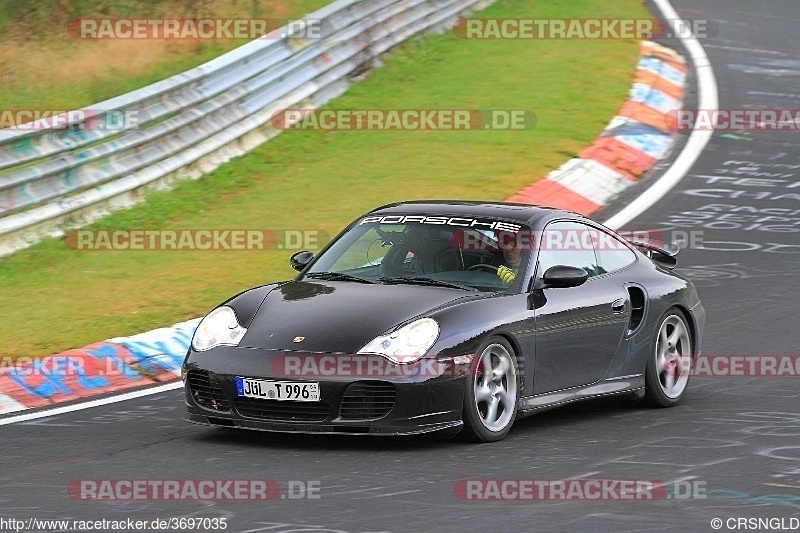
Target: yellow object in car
506,274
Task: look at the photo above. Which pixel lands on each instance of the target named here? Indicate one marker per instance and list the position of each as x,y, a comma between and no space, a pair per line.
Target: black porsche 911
451,317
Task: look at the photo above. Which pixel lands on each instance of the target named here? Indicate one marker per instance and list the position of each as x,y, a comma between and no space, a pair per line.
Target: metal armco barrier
60,178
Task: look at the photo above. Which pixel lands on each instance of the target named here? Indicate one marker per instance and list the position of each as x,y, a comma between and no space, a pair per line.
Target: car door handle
618,306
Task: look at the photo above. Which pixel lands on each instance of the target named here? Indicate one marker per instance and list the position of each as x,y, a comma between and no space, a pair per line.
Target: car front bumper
426,397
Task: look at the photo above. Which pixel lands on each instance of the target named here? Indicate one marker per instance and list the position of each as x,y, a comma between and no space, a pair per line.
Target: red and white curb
100,368
633,142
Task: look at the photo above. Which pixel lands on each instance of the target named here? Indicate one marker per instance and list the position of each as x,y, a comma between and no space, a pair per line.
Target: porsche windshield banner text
440,220
499,235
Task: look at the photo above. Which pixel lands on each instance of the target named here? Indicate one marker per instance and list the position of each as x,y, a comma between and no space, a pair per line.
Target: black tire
478,425
672,365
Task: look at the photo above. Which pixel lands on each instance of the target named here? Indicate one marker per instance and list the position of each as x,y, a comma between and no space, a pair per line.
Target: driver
508,271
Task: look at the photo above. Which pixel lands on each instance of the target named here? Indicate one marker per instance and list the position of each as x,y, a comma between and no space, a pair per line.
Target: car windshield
455,252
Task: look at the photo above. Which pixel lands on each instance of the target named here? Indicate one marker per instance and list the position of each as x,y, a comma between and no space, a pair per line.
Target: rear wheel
670,361
492,395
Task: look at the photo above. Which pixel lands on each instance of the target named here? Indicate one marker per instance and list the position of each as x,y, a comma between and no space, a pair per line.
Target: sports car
451,317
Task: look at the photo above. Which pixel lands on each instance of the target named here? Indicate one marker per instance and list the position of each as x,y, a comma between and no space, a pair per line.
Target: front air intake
206,391
365,400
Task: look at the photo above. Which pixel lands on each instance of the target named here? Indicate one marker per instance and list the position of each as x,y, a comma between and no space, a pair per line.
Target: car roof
525,213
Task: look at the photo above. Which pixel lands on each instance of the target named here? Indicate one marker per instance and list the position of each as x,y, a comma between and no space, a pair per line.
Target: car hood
339,316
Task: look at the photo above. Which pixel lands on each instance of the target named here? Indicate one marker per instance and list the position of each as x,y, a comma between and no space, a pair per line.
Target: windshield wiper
338,276
426,281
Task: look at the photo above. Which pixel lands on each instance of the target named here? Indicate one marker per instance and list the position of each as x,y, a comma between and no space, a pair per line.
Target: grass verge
42,67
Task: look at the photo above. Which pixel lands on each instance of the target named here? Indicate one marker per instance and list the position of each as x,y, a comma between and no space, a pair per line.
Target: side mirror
562,276
300,260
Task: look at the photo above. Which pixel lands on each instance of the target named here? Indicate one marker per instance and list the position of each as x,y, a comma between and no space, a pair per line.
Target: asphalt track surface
735,436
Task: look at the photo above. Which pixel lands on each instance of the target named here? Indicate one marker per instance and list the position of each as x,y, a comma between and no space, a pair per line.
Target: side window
568,243
612,253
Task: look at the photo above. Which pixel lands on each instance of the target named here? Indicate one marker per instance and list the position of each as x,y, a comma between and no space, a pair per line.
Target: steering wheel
484,266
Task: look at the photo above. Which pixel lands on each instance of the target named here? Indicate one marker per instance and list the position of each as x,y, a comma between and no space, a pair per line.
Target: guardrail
59,178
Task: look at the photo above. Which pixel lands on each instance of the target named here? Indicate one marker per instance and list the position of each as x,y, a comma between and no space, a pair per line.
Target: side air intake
637,298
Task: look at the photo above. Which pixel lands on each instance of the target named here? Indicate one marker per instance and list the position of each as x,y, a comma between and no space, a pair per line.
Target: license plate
277,390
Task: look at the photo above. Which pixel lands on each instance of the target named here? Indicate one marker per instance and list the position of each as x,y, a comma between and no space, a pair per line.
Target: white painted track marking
698,139
45,412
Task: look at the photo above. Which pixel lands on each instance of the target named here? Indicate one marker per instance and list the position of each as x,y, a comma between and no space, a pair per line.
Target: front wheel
492,395
670,361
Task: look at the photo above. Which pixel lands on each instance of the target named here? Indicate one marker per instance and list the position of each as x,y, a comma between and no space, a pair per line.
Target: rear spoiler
663,253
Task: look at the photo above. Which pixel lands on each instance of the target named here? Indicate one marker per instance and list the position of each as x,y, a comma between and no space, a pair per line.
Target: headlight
219,327
406,345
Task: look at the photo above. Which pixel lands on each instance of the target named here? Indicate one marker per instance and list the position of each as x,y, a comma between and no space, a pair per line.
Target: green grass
55,298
